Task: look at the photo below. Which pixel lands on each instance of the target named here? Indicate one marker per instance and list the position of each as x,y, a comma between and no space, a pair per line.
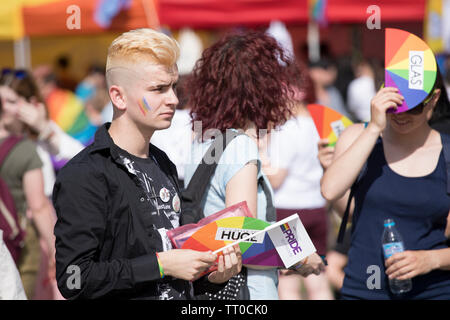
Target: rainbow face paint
144,106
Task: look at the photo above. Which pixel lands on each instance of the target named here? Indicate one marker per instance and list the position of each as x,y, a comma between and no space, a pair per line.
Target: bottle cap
389,223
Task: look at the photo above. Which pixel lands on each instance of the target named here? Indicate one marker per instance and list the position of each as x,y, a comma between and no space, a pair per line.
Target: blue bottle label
391,248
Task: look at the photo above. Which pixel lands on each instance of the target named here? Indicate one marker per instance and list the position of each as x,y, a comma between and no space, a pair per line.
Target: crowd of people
96,171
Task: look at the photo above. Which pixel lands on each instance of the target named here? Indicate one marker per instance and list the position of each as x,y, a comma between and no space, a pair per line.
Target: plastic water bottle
392,243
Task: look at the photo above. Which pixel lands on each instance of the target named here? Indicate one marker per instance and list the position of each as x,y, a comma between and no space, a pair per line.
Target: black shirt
163,206
161,193
109,226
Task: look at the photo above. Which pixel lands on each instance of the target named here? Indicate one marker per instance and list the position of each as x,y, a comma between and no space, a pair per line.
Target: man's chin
163,125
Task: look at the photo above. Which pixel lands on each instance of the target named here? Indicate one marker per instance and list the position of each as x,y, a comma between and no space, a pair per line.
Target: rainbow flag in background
317,11
434,25
67,110
107,9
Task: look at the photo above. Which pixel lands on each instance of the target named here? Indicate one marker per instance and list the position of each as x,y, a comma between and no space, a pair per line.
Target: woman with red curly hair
241,83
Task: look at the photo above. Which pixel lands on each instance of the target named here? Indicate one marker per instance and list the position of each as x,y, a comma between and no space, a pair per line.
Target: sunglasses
419,108
19,74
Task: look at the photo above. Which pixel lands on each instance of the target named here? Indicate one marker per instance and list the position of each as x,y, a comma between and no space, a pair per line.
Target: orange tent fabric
11,23
51,19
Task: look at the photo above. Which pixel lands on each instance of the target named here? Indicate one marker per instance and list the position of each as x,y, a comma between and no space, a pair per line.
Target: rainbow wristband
161,270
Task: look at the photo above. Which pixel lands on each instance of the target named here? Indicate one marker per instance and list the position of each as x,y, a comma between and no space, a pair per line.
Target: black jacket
104,230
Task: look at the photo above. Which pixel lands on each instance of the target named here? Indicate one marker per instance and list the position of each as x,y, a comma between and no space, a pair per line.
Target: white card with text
291,240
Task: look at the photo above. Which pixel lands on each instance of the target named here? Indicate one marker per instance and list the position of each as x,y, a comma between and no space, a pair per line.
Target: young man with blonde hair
117,198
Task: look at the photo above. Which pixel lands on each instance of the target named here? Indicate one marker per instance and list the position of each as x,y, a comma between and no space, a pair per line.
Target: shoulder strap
205,170
446,148
270,209
349,202
202,175
7,146
346,214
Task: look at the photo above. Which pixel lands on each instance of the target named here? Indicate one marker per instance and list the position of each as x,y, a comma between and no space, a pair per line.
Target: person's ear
433,102
437,94
118,98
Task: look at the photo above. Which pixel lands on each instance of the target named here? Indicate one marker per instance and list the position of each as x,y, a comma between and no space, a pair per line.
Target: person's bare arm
326,155
335,269
39,205
355,145
276,179
243,186
41,211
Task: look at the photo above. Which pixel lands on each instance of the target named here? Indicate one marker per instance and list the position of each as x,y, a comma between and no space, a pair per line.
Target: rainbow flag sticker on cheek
144,106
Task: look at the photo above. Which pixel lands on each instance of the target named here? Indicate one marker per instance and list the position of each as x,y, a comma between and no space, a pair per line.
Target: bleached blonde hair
140,45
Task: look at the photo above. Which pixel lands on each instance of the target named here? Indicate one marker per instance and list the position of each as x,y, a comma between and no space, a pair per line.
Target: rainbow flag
433,25
317,11
285,227
144,106
107,9
67,110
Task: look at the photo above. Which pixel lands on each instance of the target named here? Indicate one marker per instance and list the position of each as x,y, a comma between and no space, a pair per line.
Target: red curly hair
243,78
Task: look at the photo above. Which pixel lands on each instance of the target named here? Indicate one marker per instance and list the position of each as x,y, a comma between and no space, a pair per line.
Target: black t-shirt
164,206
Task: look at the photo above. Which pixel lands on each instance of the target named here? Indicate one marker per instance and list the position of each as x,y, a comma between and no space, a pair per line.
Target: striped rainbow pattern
317,11
285,227
67,110
144,106
262,254
323,118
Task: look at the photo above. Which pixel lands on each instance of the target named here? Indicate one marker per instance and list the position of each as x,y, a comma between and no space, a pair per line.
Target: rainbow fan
66,110
256,251
329,123
410,66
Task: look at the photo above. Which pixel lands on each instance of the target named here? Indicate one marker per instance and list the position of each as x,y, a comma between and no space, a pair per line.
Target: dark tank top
419,207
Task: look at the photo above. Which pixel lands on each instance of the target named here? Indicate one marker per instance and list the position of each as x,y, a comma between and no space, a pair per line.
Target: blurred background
33,32
73,35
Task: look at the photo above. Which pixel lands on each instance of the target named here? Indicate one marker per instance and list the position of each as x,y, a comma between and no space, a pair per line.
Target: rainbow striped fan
410,66
329,123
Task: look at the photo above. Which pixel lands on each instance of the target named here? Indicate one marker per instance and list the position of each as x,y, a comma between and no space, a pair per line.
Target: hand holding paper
289,238
230,264
314,264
